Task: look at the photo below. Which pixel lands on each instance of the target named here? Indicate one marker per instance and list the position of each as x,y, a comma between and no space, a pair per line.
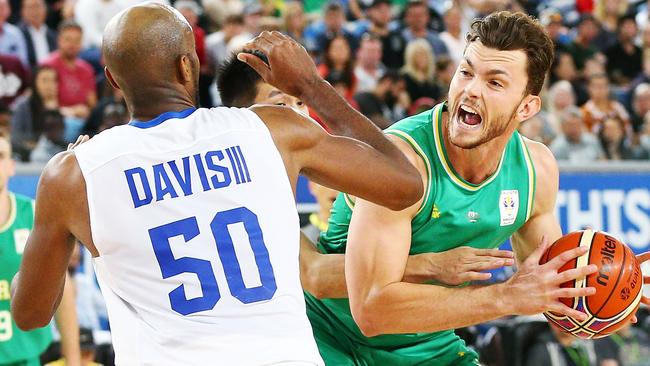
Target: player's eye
496,83
282,104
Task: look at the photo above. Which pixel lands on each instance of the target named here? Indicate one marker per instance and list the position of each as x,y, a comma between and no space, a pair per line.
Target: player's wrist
311,89
504,302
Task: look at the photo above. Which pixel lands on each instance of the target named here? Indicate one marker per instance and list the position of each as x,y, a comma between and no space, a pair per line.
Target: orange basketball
618,284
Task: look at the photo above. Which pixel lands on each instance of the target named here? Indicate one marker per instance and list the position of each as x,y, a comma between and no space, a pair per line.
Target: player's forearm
420,268
344,120
66,322
411,308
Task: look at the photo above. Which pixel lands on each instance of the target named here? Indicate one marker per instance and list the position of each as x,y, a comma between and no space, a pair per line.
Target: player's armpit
45,261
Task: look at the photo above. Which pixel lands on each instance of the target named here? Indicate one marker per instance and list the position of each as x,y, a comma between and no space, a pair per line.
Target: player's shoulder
543,160
414,124
61,173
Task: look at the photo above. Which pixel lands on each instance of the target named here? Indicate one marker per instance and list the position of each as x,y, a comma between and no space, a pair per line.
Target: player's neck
146,112
477,164
5,207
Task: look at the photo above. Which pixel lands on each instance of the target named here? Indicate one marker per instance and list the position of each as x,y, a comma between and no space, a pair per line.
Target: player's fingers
633,319
536,255
476,276
643,257
495,253
259,43
646,280
566,256
256,63
573,292
575,273
487,263
559,307
645,300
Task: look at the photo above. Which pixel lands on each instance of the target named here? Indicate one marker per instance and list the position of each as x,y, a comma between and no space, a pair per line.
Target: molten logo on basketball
607,251
625,293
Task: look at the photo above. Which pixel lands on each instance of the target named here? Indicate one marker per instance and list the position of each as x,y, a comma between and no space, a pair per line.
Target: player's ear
185,69
529,107
110,79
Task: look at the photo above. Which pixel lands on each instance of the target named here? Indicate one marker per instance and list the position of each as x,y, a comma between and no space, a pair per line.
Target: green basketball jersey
16,345
454,213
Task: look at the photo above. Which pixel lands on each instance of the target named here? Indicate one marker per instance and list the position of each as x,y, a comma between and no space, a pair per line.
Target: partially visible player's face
267,94
6,163
484,94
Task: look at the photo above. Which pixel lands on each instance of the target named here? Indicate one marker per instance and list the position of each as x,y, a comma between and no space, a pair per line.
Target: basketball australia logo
508,206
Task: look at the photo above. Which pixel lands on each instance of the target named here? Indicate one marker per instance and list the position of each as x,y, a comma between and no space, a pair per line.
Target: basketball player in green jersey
16,219
484,183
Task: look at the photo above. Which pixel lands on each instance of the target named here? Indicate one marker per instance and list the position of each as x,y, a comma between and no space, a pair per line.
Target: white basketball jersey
196,226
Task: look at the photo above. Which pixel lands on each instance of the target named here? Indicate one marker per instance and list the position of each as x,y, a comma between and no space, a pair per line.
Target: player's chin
466,139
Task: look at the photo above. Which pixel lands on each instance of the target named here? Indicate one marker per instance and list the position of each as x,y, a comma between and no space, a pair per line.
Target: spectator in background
5,120
253,18
640,105
538,129
555,348
453,37
319,33
445,70
28,119
51,141
380,14
387,102
216,44
560,96
644,75
554,26
369,67
295,21
600,105
583,46
76,78
14,79
630,346
644,134
416,17
115,114
608,13
39,38
575,144
191,12
92,16
338,64
11,39
419,71
95,120
613,141
564,68
643,16
624,57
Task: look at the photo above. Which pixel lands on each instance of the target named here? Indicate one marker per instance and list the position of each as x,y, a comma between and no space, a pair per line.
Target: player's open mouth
468,117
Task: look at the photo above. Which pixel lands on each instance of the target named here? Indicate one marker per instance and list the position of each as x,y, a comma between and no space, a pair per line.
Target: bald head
149,50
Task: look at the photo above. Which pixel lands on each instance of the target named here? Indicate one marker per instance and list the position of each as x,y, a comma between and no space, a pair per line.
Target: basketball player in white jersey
190,213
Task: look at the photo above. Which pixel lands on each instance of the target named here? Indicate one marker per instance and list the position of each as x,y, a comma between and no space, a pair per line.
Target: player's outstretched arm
323,275
39,287
359,143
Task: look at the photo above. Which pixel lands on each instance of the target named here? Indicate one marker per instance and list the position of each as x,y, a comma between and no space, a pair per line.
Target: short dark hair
237,83
506,31
69,24
234,19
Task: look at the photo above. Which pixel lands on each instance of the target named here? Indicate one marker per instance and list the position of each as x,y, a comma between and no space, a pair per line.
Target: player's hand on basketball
535,288
646,279
464,264
289,68
80,140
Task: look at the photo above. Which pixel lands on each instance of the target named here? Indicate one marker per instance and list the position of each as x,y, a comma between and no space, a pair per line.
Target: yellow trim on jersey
12,213
424,157
447,166
348,201
531,177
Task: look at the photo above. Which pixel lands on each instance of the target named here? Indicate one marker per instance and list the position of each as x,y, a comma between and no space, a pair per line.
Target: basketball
618,284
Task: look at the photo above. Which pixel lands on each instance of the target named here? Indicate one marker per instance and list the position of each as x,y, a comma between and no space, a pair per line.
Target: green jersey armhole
418,150
532,178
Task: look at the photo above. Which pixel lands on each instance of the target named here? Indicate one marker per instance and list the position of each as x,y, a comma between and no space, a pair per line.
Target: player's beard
490,132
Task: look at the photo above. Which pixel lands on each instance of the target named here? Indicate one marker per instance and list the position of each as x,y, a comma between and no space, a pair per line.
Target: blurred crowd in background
387,58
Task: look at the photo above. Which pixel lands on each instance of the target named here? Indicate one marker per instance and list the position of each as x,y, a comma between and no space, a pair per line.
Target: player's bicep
529,237
377,250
